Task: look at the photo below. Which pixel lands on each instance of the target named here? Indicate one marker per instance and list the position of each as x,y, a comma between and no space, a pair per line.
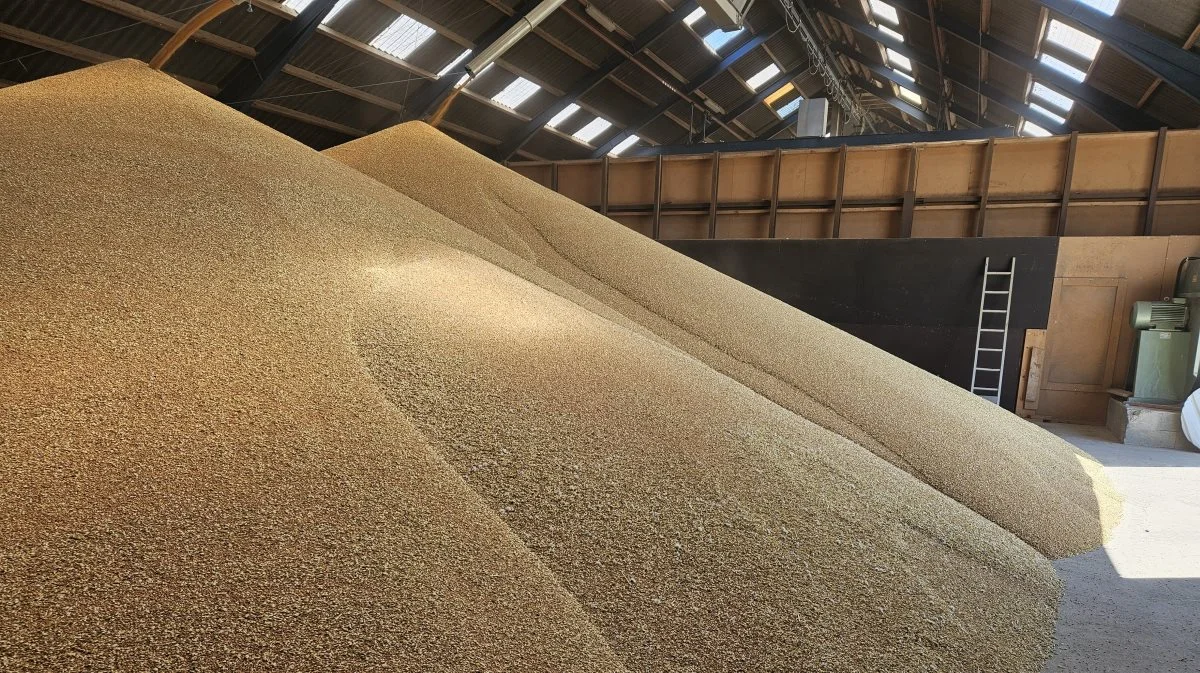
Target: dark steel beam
251,78
691,87
607,67
1116,112
886,73
820,143
900,104
963,77
427,100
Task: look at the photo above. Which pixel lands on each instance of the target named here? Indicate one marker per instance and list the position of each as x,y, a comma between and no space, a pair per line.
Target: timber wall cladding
1107,184
1088,338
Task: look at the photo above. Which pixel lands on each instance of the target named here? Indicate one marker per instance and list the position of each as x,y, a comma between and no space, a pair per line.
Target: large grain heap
238,378
1050,494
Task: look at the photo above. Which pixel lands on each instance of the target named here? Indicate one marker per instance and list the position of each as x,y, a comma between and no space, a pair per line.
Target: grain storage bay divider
1138,183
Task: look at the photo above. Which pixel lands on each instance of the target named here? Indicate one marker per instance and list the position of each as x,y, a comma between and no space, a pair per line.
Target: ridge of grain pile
198,472
1047,492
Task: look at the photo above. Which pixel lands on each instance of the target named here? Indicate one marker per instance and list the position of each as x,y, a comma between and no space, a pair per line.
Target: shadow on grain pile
204,324
1041,488
198,472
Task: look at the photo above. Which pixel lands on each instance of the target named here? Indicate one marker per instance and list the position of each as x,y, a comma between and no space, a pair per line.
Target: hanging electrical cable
799,22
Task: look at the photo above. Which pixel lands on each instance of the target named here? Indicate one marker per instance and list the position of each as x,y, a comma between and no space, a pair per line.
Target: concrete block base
1147,425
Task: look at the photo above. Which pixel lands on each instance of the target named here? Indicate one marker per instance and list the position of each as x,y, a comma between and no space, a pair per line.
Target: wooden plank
985,181
308,119
604,175
714,195
910,193
1160,152
773,217
1030,382
656,225
1068,176
840,195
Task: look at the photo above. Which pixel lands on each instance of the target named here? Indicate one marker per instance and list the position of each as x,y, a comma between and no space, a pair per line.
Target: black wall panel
915,298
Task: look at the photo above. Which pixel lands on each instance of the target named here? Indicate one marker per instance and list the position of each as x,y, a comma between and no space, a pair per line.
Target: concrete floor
1134,605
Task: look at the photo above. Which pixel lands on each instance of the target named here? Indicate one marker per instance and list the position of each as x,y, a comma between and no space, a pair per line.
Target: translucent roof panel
402,37
298,6
1072,39
562,116
695,16
1052,115
624,145
762,77
903,75
457,59
888,31
1030,129
1063,67
885,11
899,60
1051,97
1108,7
593,129
517,92
909,96
788,109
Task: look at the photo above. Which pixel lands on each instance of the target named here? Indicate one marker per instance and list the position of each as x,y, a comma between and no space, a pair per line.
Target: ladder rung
999,273
990,329
986,369
993,350
975,390
994,310
995,291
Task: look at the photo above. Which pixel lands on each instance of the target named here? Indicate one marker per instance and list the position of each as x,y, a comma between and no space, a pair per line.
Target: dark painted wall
915,298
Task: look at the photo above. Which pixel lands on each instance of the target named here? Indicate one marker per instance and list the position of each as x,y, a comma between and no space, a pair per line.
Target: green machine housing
1165,357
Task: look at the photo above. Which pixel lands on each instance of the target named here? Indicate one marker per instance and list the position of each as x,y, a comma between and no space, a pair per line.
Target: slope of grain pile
234,372
1039,487
198,473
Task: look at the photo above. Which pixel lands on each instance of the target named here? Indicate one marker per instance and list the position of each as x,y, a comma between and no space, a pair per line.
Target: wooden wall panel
807,176
1181,161
943,223
950,169
630,182
539,173
870,224
687,180
746,177
643,224
1003,221
1114,162
804,225
1028,166
580,182
684,226
876,173
1104,219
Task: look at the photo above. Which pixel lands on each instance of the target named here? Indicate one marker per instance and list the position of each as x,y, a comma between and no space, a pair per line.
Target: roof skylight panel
518,91
1108,7
1051,97
402,37
762,77
562,116
1072,39
298,6
910,96
1063,67
1052,115
695,16
450,66
904,75
885,11
789,109
891,33
623,145
1031,129
719,38
898,60
594,128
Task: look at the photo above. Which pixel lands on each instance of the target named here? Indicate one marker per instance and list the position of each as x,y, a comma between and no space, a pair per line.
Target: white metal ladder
991,333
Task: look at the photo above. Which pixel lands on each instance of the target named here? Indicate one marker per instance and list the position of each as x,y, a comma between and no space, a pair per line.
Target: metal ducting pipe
522,28
217,8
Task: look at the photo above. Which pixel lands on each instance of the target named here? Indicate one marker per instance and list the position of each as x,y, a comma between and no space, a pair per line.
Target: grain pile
198,473
1051,495
238,378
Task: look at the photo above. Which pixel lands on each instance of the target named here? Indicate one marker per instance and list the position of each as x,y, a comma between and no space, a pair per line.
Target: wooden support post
712,205
774,216
910,194
1160,152
985,180
1068,174
554,176
656,227
840,194
604,186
